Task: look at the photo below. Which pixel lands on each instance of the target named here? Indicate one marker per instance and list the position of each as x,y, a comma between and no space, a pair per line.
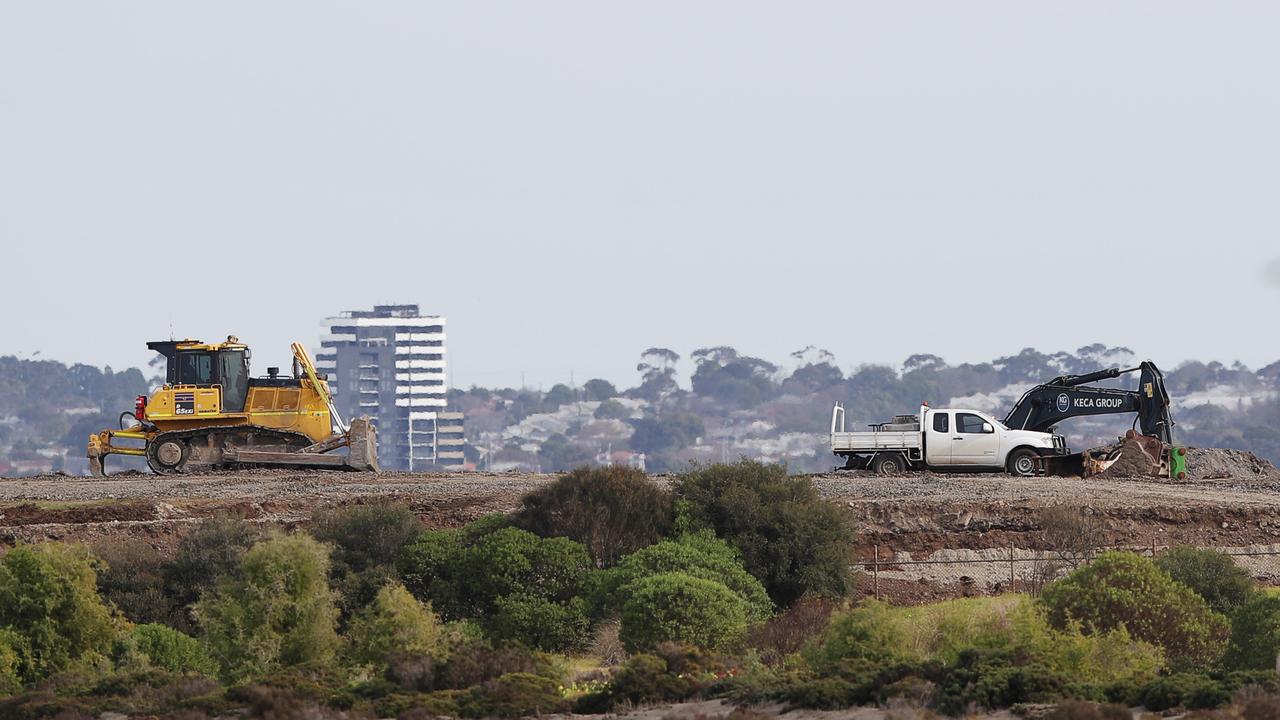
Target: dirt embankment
1230,499
159,509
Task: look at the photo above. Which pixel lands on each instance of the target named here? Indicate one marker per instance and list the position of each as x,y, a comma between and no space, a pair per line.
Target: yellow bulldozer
211,415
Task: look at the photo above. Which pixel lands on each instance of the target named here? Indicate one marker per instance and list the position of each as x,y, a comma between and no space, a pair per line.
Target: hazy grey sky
572,182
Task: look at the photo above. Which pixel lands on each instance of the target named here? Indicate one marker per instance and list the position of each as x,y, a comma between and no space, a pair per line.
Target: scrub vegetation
734,583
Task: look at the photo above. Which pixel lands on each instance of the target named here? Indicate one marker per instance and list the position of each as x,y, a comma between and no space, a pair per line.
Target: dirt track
921,511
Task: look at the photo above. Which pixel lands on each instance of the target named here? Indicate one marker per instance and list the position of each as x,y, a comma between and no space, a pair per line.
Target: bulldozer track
208,453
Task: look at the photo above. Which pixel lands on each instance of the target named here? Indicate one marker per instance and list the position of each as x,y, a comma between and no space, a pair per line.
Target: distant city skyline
572,182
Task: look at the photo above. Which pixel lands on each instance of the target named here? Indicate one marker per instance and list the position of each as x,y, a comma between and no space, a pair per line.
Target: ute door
937,441
975,442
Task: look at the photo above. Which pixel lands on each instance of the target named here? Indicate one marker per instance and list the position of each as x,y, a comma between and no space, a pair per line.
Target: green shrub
611,510
504,580
482,526
645,679
277,612
172,650
857,682
669,673
395,622
366,540
49,603
428,569
514,695
1010,624
701,555
1212,574
795,542
208,554
1193,691
132,578
541,623
10,662
868,632
999,679
473,661
1255,634
678,607
1121,588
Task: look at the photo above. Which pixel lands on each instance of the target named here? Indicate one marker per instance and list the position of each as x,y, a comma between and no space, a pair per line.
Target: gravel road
327,487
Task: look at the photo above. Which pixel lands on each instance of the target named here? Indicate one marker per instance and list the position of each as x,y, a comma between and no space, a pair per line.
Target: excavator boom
1044,406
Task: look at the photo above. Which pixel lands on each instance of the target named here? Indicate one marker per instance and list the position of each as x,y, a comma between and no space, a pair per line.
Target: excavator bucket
1136,455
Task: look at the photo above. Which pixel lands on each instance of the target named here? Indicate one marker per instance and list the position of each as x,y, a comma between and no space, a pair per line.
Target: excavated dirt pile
1227,464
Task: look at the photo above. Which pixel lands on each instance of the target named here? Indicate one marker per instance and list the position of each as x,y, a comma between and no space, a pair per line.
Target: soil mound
33,514
1227,464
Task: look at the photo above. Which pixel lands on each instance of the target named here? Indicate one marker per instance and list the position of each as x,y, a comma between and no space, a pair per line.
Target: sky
573,182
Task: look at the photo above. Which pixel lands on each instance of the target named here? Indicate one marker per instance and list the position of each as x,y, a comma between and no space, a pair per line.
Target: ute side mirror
986,428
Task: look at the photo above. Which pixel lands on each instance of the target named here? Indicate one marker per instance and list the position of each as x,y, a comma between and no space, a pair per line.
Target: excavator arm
1044,406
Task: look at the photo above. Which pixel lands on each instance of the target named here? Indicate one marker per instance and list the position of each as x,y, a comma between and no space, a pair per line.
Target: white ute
946,439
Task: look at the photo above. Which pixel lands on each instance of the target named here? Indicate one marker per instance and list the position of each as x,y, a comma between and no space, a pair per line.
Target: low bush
788,632
1212,574
49,605
514,695
366,540
999,679
669,673
1255,634
210,553
463,662
276,612
611,510
540,622
1189,690
678,607
1124,589
394,623
10,662
132,578
792,540
853,682
172,650
506,580
700,555
1011,624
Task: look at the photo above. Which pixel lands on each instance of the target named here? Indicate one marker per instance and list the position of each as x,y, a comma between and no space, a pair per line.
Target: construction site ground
976,522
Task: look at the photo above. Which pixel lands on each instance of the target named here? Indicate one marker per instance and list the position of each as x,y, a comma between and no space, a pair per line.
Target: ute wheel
1022,462
167,456
887,464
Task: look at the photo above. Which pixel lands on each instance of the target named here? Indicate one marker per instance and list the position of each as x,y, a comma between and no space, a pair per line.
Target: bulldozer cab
226,365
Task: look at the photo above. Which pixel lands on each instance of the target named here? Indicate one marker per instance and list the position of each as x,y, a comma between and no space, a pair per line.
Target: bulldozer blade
362,445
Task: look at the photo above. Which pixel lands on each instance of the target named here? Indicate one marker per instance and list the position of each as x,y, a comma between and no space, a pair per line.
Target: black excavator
1044,406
